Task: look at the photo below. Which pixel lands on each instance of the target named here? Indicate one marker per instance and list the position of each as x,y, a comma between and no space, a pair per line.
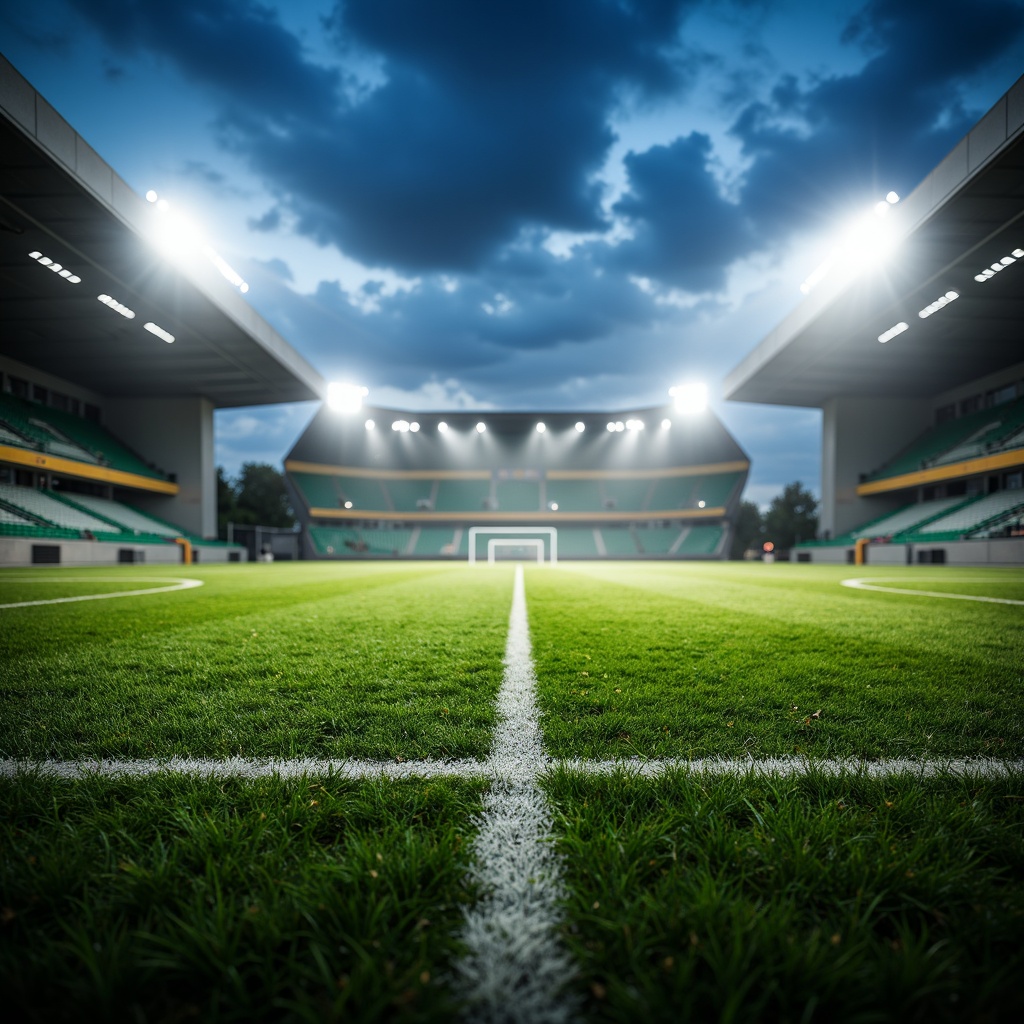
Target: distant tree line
792,517
256,497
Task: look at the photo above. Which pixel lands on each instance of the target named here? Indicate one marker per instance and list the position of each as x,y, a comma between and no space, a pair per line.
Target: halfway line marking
177,584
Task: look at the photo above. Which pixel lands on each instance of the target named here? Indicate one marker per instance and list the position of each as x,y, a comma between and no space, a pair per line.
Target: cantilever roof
58,197
967,214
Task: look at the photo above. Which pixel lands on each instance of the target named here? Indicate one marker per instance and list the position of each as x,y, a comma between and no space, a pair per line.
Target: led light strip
117,307
989,272
45,261
892,332
939,303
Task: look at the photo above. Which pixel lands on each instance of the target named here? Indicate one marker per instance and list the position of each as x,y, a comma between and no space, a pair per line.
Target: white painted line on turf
176,584
312,767
869,583
515,968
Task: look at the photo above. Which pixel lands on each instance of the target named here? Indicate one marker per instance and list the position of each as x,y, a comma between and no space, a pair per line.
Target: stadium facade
640,483
113,357
917,364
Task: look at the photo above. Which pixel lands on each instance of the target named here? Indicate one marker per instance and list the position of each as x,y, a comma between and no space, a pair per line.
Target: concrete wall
858,436
17,551
177,435
1007,551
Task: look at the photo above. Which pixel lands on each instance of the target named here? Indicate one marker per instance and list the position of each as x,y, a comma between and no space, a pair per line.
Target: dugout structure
387,483
917,367
113,358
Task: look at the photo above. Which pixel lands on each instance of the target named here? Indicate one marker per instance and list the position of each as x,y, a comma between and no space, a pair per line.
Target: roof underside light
541,427
345,398
442,427
56,268
481,427
939,303
666,424
160,332
117,307
1000,265
370,425
690,399
580,426
892,332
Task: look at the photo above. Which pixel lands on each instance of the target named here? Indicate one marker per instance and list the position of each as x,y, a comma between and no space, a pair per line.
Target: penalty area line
865,583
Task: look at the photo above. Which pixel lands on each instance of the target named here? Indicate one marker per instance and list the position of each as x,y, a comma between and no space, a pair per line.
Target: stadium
391,781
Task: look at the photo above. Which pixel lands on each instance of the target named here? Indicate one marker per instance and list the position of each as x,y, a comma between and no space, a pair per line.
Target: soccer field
428,791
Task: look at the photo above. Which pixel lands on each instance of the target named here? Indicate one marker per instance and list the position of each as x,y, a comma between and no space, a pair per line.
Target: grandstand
106,407
916,366
391,483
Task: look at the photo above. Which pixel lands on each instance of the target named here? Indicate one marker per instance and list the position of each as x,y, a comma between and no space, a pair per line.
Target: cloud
684,233
821,148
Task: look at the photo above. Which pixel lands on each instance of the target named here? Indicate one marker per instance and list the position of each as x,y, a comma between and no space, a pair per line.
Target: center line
515,968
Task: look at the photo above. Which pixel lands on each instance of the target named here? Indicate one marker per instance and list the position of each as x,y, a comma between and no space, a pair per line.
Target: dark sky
534,204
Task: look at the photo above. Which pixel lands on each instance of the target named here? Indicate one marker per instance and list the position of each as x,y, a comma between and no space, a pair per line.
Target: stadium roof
59,198
965,216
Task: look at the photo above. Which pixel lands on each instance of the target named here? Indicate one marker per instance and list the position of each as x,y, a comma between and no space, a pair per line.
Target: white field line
253,768
313,767
515,969
869,583
176,584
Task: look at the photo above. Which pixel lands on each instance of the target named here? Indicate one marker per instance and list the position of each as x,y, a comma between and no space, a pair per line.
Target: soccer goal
521,536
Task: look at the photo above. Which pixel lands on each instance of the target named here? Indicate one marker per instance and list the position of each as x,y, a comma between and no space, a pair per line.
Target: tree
749,530
256,498
791,517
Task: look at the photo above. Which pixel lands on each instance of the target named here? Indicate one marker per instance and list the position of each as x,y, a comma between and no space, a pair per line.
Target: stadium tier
401,484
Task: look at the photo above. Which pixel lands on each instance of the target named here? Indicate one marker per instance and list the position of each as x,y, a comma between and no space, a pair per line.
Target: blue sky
535,204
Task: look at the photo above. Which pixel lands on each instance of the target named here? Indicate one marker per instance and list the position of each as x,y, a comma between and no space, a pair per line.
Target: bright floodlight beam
690,399
345,398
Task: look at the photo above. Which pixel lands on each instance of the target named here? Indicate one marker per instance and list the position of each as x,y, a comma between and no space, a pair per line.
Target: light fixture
348,504
370,425
690,399
934,307
45,261
402,426
665,424
541,427
990,271
481,427
634,424
580,427
160,333
701,504
345,398
442,427
414,427
611,427
892,332
117,307
553,506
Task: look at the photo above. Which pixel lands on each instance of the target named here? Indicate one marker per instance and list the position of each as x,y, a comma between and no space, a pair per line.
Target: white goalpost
521,541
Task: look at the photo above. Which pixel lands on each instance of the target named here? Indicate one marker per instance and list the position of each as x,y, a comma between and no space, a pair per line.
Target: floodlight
580,427
442,427
611,427
619,426
892,332
939,303
345,398
45,261
348,504
553,506
665,424
151,196
690,399
481,427
370,425
117,307
541,427
892,198
414,427
160,333
701,504
402,426
989,272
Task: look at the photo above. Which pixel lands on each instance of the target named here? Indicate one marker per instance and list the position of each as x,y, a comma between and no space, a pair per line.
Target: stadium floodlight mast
690,399
345,398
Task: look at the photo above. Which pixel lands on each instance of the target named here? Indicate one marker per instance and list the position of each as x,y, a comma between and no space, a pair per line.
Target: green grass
325,660
168,899
754,899
755,660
